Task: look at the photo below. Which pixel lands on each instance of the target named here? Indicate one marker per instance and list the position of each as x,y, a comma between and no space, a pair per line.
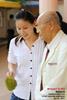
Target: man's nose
38,31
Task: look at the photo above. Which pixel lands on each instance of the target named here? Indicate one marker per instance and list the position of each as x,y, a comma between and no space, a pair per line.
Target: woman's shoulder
13,39
42,41
16,41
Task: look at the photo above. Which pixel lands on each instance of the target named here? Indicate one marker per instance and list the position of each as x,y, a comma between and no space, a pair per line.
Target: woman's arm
12,69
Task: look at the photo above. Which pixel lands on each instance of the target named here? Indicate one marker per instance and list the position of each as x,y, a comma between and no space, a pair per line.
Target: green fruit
11,83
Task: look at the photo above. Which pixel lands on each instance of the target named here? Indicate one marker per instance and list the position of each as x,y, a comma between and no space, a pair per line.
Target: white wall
61,10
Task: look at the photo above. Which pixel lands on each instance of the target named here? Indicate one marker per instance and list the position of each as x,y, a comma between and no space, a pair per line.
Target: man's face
44,31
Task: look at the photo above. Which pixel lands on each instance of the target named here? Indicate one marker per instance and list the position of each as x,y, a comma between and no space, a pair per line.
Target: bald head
48,16
48,25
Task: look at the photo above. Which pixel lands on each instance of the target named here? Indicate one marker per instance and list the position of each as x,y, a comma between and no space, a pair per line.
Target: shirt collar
56,40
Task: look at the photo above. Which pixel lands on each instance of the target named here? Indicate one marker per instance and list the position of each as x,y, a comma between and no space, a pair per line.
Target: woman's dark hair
27,16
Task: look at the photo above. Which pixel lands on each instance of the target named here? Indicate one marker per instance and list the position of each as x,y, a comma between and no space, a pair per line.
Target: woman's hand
11,74
12,69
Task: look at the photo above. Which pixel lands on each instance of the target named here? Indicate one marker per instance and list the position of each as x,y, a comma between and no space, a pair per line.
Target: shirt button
30,83
30,67
30,52
31,60
32,45
30,75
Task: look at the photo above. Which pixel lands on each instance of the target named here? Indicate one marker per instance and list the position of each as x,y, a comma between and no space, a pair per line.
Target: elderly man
52,75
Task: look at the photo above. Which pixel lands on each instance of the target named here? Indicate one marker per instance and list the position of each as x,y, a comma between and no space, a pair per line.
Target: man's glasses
40,26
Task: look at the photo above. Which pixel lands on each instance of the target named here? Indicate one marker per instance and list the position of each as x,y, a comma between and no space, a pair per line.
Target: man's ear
52,23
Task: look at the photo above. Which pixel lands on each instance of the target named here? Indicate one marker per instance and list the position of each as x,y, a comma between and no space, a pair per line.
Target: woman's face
24,28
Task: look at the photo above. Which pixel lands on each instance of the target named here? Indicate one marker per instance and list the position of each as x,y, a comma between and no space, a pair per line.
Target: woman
25,54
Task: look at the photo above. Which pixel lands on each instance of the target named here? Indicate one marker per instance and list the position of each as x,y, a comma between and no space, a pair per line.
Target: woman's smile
24,36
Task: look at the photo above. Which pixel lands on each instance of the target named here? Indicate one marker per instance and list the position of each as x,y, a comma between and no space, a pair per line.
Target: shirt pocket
52,64
50,70
52,67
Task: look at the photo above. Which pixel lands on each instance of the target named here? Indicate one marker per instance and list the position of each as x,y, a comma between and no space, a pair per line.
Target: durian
10,83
